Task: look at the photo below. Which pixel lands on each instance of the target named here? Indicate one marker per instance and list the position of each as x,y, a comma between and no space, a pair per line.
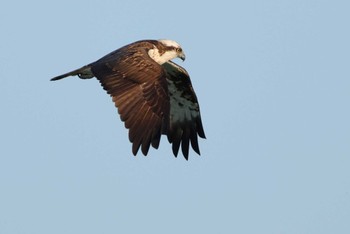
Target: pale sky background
273,81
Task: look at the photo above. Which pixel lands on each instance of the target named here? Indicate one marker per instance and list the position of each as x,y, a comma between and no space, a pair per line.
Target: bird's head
173,48
168,50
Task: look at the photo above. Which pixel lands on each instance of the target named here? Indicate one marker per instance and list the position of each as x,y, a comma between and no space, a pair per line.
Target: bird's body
154,95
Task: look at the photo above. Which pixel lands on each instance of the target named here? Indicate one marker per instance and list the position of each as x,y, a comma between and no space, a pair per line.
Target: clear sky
273,82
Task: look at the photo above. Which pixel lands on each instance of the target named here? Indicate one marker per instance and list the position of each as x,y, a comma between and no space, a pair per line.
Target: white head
169,50
169,43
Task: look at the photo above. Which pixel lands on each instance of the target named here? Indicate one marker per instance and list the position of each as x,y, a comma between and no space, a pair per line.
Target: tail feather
83,73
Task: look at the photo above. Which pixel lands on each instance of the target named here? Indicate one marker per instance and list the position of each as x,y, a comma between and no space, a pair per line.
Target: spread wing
139,90
185,124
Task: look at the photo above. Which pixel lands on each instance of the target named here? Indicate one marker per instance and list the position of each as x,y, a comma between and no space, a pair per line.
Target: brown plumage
154,96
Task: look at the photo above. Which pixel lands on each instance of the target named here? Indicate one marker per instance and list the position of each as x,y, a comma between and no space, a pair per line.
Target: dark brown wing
185,124
138,87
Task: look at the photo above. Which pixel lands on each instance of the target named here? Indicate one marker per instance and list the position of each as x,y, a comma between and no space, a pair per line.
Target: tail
83,73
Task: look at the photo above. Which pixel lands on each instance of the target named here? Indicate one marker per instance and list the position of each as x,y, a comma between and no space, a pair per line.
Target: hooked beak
182,56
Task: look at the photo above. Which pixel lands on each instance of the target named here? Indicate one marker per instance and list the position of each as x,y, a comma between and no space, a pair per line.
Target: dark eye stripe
174,48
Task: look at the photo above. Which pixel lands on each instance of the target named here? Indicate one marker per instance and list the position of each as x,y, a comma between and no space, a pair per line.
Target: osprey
153,95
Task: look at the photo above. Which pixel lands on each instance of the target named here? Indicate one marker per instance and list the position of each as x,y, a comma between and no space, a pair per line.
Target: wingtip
58,78
62,76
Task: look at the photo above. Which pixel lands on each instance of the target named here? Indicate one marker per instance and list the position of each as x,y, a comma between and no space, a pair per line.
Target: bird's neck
161,58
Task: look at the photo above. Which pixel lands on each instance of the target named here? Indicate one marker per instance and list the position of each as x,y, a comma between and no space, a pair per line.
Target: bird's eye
178,50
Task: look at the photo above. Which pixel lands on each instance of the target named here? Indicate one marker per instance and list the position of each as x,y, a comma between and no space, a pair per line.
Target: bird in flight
154,96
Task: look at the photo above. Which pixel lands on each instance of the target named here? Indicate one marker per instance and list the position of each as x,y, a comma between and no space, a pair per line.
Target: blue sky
272,78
